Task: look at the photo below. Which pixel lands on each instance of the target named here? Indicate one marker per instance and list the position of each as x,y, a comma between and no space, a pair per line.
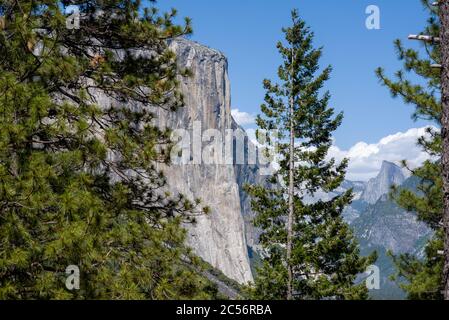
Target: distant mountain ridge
390,174
379,224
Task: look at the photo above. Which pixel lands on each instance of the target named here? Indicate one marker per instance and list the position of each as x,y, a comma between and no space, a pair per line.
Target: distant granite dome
390,174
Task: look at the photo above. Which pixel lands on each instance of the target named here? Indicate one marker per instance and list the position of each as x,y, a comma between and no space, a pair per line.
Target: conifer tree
310,252
422,278
78,184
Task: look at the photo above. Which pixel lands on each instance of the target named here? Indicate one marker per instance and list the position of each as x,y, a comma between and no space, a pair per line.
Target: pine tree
310,252
423,277
78,184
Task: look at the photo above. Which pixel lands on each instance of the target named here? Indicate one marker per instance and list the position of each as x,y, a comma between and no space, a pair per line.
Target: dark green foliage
78,184
422,277
325,256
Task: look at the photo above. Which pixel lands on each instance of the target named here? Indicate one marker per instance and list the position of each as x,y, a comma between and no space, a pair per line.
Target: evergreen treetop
324,257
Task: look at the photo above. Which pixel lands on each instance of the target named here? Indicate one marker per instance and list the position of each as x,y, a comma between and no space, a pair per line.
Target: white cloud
366,159
242,118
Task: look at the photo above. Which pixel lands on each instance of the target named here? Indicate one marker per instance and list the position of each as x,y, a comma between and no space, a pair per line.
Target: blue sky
246,31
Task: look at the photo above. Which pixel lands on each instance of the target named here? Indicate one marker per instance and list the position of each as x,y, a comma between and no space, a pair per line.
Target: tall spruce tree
310,252
78,184
422,278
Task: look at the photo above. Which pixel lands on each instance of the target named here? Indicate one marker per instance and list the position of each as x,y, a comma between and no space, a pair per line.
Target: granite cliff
219,237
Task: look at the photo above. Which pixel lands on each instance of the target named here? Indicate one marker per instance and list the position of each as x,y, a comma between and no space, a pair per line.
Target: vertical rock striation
219,238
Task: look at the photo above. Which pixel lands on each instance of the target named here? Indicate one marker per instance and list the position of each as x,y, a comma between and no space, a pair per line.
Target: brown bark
444,38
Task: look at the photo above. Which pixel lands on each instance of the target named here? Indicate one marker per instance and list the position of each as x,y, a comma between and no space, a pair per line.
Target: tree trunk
444,38
290,198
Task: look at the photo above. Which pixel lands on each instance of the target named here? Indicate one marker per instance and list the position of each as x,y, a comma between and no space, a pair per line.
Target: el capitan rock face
219,237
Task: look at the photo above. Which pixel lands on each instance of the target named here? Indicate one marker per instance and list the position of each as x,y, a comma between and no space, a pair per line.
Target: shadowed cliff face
219,238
